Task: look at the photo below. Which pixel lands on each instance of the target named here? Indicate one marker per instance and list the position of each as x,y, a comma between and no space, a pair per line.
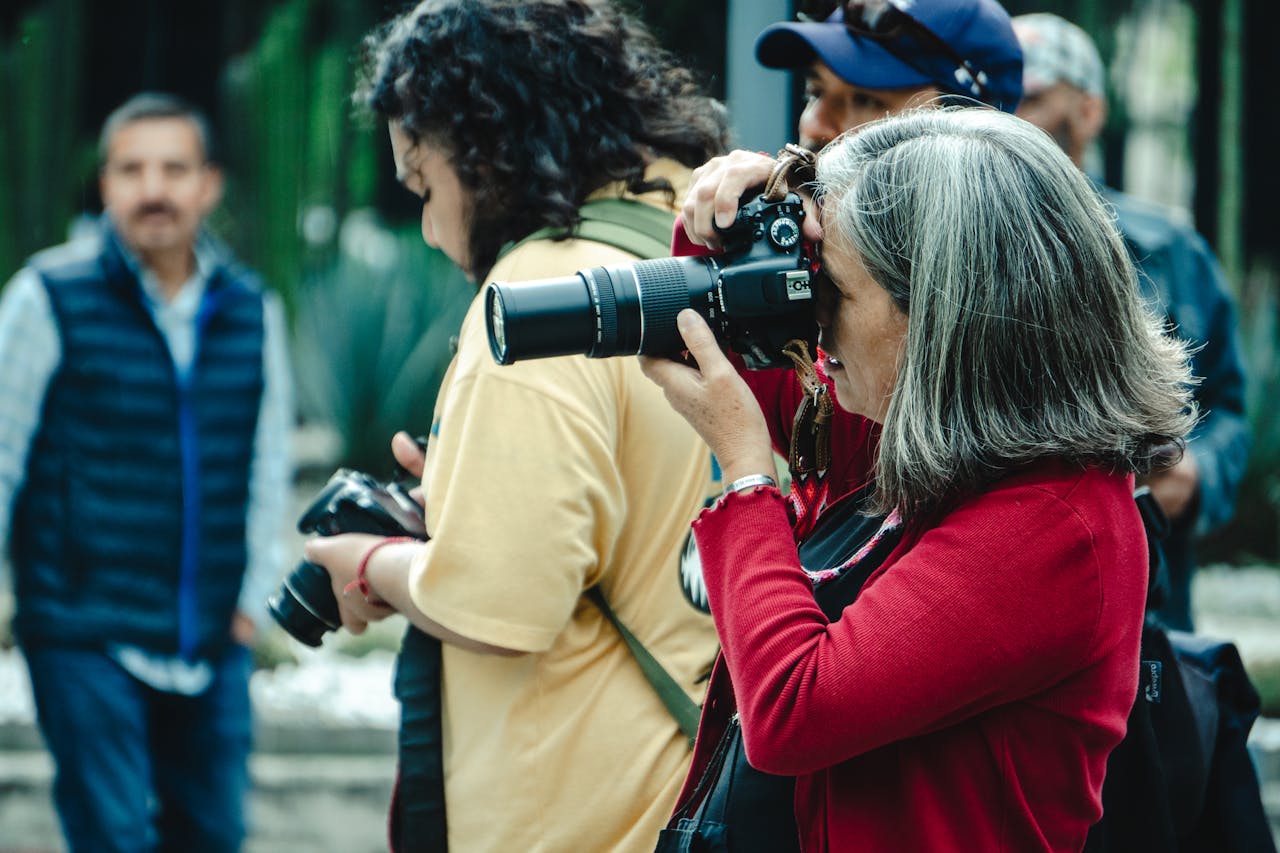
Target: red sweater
967,701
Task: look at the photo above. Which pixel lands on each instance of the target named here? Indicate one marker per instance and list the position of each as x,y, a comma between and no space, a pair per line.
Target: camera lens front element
304,605
497,325
558,316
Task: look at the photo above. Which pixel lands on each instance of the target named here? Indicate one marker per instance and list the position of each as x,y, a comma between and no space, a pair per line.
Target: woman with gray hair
953,674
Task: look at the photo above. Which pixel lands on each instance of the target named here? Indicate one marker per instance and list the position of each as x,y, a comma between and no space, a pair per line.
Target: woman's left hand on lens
715,401
340,556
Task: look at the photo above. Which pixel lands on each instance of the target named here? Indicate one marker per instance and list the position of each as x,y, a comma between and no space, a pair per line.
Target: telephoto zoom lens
622,309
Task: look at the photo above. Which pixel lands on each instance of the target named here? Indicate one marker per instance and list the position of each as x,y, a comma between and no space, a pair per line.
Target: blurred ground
322,771
324,765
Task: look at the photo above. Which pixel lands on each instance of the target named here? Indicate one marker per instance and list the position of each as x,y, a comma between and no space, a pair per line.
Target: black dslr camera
351,502
756,297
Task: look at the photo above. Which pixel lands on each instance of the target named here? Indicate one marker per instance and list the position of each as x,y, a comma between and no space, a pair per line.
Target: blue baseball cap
977,31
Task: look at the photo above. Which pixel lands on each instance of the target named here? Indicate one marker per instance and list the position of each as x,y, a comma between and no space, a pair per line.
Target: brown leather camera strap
811,429
795,167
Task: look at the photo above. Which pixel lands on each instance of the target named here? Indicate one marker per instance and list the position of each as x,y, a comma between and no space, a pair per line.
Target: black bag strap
1156,523
682,708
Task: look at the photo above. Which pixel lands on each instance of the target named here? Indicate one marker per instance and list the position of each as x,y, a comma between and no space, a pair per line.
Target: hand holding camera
717,191
715,400
351,502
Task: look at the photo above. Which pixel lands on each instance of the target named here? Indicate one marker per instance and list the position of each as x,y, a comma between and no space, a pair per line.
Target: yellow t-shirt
544,478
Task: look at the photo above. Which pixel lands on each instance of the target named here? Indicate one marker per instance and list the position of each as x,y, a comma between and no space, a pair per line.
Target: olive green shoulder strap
632,226
644,231
678,704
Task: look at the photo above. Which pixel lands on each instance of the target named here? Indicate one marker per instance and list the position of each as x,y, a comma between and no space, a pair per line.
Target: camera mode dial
784,232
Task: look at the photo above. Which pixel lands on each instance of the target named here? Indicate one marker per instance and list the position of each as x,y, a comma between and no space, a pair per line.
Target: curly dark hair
537,103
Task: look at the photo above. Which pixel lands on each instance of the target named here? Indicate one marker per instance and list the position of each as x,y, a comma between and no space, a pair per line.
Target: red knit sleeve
1002,599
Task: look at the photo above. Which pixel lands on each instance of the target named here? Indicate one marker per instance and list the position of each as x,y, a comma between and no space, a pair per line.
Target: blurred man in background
1065,94
146,405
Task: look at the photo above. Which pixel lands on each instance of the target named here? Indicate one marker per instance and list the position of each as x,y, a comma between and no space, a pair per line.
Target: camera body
756,296
350,502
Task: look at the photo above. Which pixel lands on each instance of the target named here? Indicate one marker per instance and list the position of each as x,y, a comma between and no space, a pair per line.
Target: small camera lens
304,605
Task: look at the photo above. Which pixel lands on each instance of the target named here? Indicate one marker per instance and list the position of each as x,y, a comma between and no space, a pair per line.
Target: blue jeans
138,769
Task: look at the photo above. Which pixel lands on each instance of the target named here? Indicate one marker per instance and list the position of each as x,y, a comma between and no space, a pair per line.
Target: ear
213,185
1092,116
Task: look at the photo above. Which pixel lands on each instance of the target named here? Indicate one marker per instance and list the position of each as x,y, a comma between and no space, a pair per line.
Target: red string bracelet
361,582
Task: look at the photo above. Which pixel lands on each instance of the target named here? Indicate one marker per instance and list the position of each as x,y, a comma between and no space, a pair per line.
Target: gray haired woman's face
861,331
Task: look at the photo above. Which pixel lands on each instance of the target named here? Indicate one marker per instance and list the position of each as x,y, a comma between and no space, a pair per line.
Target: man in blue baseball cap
864,60
868,58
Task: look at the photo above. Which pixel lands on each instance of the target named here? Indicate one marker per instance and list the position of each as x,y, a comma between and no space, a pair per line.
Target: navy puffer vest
130,527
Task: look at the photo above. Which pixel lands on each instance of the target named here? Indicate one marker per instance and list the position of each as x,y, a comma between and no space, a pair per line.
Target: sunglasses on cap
886,22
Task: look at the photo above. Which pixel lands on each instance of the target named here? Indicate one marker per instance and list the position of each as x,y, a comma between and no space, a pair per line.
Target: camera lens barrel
622,309
556,317
668,286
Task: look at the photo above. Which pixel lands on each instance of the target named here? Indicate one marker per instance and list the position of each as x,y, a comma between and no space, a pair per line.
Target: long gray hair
1027,337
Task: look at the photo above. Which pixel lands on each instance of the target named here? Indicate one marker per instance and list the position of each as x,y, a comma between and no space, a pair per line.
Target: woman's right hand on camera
715,400
341,556
717,189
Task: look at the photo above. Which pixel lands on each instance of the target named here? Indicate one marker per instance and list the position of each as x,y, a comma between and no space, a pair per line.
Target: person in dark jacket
144,469
1065,95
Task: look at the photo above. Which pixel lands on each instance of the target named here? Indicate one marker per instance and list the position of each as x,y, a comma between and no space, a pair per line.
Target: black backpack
1182,779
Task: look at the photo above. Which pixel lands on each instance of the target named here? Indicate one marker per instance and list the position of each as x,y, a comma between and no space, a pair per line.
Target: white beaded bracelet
750,481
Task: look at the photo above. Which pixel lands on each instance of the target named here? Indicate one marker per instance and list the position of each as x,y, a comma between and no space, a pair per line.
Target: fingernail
684,320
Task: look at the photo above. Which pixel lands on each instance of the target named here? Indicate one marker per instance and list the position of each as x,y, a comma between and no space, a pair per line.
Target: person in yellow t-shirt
549,477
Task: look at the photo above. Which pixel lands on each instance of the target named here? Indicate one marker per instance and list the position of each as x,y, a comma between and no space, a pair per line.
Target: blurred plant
383,636
292,143
1265,674
372,338
6,611
43,161
273,647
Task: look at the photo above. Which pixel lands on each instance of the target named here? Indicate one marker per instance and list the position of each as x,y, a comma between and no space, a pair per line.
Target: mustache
154,207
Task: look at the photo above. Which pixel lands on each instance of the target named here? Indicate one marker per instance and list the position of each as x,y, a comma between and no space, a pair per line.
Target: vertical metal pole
757,97
1231,139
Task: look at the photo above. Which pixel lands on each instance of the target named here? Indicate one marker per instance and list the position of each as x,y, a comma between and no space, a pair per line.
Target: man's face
833,106
157,186
1065,113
